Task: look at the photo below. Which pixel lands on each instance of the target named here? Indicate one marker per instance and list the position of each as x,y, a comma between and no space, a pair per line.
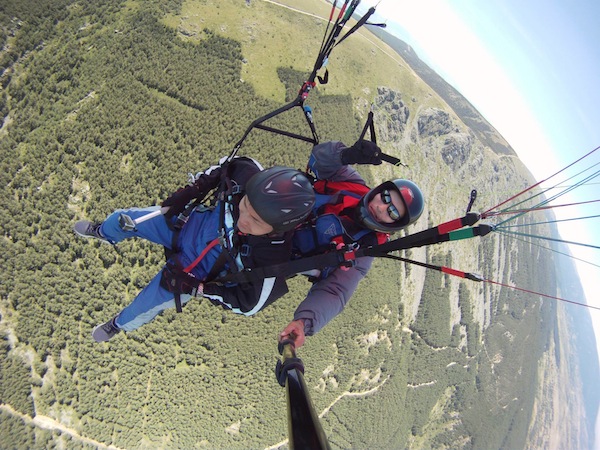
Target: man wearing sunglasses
387,207
346,212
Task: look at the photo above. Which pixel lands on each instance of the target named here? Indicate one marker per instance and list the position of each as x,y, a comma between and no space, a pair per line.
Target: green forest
105,106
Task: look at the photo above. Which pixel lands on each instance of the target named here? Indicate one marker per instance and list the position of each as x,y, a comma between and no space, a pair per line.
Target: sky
531,68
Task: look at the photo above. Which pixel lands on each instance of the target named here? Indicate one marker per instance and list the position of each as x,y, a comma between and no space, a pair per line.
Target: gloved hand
179,199
175,280
362,152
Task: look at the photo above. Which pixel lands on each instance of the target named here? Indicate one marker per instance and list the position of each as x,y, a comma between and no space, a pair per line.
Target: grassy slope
274,36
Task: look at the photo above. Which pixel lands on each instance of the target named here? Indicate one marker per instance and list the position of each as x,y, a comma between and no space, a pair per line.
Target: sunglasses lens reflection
386,198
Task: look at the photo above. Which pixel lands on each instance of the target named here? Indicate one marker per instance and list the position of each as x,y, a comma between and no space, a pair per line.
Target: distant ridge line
459,104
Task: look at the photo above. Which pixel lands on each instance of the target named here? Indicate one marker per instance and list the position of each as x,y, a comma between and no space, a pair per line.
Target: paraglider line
534,208
476,277
538,183
549,239
556,251
567,189
548,222
542,295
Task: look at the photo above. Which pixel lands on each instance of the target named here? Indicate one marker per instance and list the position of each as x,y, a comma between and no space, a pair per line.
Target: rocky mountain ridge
485,132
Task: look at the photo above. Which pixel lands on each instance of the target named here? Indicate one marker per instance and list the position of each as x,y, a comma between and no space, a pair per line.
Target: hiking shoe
87,229
105,331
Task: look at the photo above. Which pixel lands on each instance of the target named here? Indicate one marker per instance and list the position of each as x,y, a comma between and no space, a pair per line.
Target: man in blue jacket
249,226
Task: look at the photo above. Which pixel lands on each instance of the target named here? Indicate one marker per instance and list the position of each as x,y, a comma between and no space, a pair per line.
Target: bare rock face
434,122
456,149
391,113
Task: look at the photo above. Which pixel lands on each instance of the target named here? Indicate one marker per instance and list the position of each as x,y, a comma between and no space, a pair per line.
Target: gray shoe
105,331
88,229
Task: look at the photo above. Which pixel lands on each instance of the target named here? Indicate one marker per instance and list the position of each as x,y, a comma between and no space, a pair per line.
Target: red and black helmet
411,196
281,196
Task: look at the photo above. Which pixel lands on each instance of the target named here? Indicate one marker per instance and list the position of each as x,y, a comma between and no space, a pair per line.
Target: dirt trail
47,423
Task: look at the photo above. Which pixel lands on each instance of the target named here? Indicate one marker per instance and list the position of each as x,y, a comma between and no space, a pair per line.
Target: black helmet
411,196
281,196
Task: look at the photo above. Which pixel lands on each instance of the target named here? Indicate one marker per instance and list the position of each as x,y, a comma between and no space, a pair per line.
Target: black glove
175,280
363,152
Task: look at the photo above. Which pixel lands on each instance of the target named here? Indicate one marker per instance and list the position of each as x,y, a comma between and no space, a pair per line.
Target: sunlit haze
531,69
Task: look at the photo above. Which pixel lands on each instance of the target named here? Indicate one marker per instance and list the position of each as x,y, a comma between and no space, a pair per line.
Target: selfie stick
128,224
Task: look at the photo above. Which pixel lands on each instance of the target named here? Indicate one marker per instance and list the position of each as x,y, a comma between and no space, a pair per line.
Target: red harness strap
210,245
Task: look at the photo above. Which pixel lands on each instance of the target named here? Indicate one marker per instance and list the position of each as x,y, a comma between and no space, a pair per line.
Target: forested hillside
109,104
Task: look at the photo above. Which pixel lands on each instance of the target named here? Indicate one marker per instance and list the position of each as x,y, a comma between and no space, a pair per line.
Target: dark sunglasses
391,209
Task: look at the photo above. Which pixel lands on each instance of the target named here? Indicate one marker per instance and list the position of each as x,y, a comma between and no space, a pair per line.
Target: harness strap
337,258
359,24
226,192
217,266
286,269
434,235
176,228
210,245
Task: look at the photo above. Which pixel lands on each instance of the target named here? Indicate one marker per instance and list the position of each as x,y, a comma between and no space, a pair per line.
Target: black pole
304,429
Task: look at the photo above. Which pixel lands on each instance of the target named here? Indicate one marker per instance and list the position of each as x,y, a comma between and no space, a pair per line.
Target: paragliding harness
330,40
332,225
225,193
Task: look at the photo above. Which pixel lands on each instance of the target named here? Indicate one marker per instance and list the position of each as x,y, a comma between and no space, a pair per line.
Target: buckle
349,255
245,250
